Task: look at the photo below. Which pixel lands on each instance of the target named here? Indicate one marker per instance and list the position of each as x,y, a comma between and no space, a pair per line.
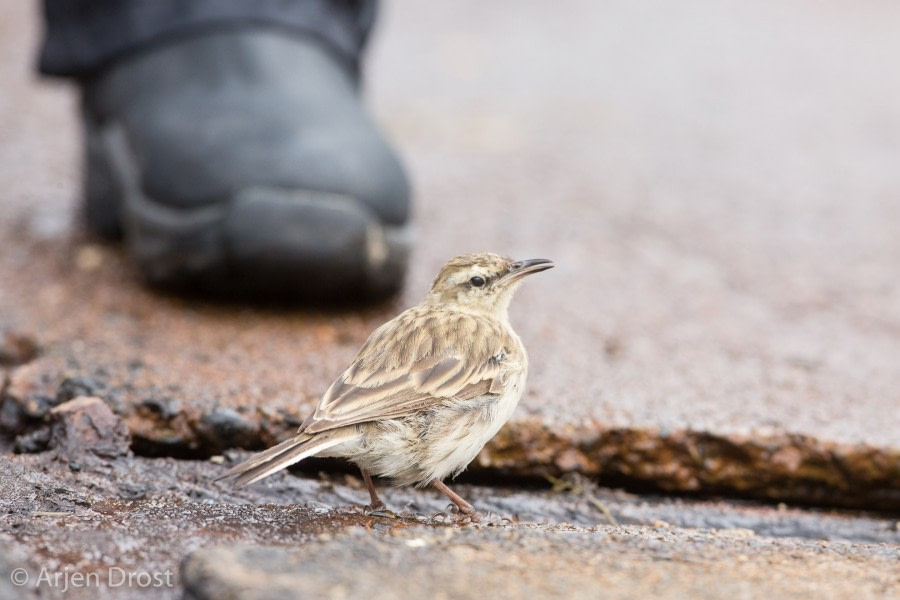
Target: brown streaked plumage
427,390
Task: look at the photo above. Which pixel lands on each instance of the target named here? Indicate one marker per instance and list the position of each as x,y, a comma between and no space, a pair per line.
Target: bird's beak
521,268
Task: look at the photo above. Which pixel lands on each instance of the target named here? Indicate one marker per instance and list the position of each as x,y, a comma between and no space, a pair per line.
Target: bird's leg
376,504
464,507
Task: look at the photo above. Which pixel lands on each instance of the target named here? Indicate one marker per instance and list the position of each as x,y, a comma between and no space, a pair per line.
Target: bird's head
481,283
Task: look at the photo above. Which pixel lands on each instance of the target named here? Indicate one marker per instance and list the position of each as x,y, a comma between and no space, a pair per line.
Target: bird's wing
411,363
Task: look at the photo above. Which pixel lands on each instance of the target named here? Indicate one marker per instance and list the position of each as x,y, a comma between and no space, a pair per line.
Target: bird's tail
285,454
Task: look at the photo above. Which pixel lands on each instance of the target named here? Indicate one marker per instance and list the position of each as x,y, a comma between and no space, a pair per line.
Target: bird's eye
477,281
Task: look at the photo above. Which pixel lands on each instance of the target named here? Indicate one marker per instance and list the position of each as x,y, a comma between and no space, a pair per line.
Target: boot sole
290,244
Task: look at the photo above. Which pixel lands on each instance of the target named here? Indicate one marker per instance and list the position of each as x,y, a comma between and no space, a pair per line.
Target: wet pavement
717,185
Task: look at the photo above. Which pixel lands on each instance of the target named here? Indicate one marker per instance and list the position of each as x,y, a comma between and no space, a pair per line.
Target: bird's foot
456,514
467,517
466,511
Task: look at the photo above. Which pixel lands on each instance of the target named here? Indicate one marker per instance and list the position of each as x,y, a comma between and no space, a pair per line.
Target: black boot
241,161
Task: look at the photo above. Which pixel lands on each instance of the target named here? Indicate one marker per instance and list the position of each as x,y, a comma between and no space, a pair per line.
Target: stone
85,428
164,407
30,392
17,348
226,428
34,441
80,385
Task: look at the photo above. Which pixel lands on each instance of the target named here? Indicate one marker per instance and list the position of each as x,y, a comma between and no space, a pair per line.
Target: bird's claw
461,515
379,510
471,517
454,515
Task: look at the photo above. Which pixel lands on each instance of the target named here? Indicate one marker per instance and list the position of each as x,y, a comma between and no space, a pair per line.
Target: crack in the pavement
783,468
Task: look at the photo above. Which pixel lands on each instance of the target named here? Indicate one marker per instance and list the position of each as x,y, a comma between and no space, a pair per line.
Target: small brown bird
427,390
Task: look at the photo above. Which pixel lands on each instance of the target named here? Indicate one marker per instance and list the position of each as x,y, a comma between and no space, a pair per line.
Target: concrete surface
717,183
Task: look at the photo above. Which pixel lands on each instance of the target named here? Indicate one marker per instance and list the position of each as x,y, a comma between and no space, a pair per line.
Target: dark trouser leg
84,36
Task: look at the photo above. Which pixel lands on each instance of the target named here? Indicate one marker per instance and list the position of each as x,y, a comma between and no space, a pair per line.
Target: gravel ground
309,536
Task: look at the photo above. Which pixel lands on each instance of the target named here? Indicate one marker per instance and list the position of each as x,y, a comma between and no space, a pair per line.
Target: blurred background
717,182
